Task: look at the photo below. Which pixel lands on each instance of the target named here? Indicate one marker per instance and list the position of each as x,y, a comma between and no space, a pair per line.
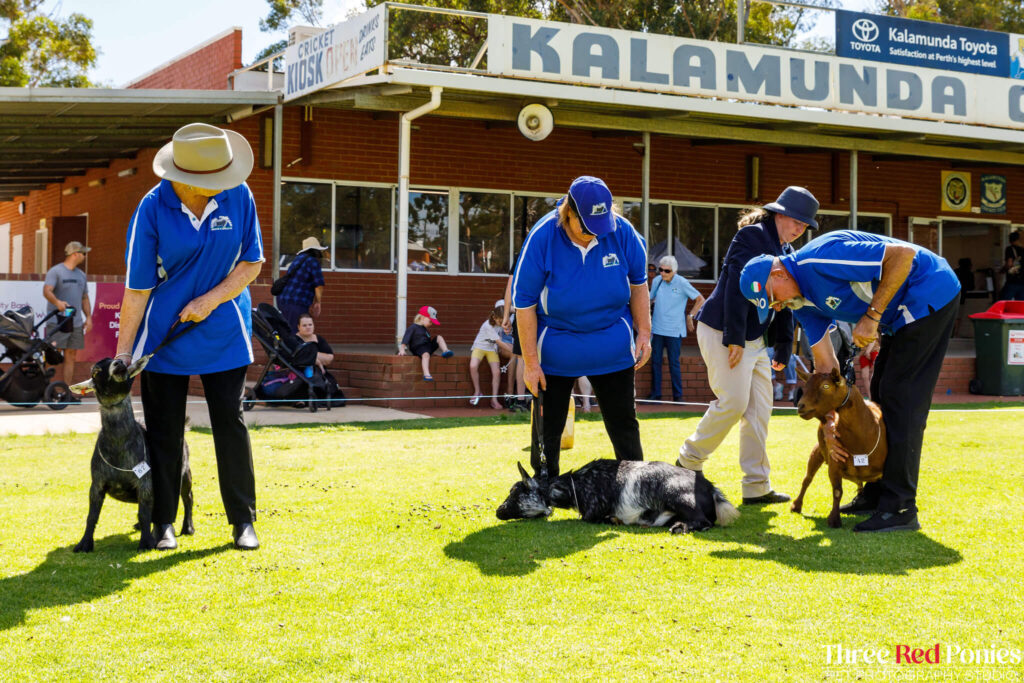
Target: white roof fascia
609,96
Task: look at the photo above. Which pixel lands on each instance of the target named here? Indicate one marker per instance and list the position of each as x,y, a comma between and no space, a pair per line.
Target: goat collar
119,469
846,400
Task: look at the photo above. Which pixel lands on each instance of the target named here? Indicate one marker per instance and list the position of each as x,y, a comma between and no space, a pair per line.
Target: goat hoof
187,529
835,522
679,528
84,546
147,542
797,507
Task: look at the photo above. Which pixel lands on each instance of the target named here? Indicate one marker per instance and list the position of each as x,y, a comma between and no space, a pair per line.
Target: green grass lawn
382,560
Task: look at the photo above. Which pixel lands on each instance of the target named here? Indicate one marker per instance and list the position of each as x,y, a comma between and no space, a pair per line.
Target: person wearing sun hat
304,288
579,287
193,247
731,339
882,285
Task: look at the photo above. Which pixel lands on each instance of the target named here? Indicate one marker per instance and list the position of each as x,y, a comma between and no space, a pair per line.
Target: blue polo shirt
178,257
840,271
670,299
584,325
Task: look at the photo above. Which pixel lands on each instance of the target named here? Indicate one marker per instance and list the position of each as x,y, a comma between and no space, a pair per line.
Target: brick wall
363,146
204,68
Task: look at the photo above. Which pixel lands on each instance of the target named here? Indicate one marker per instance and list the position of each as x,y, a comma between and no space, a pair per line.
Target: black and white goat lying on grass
647,493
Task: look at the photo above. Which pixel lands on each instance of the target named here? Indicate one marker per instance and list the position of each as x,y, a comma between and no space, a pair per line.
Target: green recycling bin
999,349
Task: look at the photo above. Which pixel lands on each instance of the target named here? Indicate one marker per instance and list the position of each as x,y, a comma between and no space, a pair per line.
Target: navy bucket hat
796,202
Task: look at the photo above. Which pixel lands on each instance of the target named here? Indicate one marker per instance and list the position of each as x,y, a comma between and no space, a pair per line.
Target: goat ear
138,366
836,375
522,472
802,374
83,387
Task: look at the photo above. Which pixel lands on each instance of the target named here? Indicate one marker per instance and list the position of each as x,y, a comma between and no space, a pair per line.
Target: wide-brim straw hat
205,156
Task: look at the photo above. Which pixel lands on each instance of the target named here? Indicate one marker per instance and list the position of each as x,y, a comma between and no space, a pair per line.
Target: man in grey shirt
66,286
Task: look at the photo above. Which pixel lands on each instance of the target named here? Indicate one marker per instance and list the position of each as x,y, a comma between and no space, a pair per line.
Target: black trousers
615,395
906,371
163,402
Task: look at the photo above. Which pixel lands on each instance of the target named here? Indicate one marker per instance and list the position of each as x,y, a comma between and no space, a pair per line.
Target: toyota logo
865,30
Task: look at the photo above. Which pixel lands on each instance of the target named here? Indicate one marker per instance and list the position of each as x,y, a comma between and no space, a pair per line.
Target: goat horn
83,387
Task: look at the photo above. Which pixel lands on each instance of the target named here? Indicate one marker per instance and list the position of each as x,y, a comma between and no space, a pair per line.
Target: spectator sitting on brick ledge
418,342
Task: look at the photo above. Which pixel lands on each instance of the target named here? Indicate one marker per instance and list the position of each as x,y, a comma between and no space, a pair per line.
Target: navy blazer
729,312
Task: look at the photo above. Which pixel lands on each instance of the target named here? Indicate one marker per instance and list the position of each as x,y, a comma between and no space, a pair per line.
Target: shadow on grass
65,578
520,547
834,550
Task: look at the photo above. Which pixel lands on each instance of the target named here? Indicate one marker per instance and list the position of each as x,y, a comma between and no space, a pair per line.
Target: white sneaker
778,392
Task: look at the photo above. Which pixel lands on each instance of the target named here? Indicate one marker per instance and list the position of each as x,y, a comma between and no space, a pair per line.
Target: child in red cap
418,342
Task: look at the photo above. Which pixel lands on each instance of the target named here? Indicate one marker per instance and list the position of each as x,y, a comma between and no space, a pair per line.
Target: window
527,211
305,212
362,227
693,235
484,232
878,225
428,230
657,227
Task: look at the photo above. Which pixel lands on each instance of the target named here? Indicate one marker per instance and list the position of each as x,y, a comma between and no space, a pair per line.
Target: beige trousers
744,395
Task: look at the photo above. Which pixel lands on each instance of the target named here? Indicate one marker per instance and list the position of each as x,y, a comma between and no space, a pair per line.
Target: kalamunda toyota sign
585,55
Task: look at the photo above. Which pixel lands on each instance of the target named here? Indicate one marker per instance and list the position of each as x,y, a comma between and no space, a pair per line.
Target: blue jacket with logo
727,311
584,325
178,257
839,272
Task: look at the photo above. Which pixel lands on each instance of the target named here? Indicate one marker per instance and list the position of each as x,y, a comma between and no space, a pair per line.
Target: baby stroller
27,381
290,374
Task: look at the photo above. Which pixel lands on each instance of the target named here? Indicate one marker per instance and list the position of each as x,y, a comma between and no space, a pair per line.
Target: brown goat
861,432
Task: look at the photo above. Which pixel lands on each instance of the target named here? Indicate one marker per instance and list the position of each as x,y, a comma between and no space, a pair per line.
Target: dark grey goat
120,460
647,493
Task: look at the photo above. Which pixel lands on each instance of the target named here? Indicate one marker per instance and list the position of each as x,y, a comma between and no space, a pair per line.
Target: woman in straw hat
305,284
193,247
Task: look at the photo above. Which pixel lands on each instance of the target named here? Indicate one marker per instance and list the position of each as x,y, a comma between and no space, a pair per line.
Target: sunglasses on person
665,270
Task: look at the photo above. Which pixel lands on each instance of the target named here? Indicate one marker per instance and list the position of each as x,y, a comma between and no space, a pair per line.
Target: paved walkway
85,418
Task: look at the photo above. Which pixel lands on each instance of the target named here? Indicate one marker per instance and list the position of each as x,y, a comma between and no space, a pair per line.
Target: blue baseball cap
592,202
754,282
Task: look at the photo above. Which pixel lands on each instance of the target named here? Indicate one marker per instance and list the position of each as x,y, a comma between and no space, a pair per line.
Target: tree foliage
42,50
284,13
993,15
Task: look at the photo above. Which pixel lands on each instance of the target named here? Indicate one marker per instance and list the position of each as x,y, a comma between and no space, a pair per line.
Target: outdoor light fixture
69,190
127,172
97,182
536,122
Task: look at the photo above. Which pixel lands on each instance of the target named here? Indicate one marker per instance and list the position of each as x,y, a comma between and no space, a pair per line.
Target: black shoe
165,538
652,397
766,499
860,505
904,520
245,537
677,399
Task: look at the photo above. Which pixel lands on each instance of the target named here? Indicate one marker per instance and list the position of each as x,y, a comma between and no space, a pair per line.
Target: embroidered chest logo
221,223
610,260
833,302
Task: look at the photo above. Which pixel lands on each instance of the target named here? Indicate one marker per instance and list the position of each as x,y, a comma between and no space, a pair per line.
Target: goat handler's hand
643,351
197,310
534,377
735,355
778,367
865,332
506,325
831,430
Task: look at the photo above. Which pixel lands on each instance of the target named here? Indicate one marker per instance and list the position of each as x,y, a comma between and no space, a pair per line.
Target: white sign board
14,295
1015,348
586,55
344,50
